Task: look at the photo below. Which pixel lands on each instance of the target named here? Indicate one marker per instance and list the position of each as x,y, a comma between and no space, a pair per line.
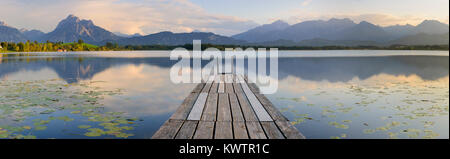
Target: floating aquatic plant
407,109
20,100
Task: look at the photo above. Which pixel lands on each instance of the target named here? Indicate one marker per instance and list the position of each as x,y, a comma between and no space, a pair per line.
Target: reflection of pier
227,107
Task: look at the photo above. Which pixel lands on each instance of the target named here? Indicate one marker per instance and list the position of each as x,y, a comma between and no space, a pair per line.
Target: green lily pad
84,126
40,127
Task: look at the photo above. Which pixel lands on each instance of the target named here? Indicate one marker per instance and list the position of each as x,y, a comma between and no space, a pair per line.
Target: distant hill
431,27
169,38
73,28
364,31
398,31
261,33
127,35
324,42
423,39
32,34
10,34
315,29
297,32
339,32
274,43
427,27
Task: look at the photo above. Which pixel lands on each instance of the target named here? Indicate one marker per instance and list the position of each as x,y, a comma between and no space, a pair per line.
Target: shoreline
14,52
281,54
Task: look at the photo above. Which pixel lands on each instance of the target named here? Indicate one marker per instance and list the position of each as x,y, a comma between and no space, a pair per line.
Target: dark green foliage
222,47
81,46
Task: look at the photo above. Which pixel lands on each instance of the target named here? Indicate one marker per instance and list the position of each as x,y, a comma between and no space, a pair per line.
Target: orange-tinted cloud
139,16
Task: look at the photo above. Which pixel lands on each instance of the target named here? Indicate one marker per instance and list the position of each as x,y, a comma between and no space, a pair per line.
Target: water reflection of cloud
148,89
299,85
24,74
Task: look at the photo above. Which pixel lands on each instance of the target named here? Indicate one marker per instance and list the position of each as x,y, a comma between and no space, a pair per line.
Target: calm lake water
325,94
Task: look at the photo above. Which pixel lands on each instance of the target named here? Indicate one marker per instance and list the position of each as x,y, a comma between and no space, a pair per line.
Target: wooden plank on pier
224,130
183,111
253,87
205,130
224,112
197,109
228,78
260,112
247,110
235,108
229,83
271,130
225,108
168,130
240,130
187,130
208,84
255,131
207,87
237,88
198,88
210,112
251,84
221,88
289,131
274,113
221,84
214,88
229,88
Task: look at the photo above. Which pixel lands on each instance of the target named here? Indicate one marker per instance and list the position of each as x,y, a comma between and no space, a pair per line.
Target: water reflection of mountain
335,69
74,69
332,69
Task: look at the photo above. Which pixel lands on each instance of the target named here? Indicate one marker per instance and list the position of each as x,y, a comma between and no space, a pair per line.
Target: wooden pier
227,107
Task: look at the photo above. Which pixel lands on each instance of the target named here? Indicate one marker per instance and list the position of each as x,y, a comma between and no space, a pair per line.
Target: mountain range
337,32
345,32
169,38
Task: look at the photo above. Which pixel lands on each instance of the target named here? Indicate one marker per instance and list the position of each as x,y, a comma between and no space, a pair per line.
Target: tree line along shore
80,45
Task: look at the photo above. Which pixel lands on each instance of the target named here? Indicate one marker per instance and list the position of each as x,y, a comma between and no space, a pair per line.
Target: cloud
137,16
306,2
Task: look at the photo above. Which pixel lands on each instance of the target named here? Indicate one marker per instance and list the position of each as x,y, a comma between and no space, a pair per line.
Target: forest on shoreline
81,46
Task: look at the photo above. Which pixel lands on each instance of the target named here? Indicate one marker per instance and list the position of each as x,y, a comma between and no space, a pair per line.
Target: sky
225,17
